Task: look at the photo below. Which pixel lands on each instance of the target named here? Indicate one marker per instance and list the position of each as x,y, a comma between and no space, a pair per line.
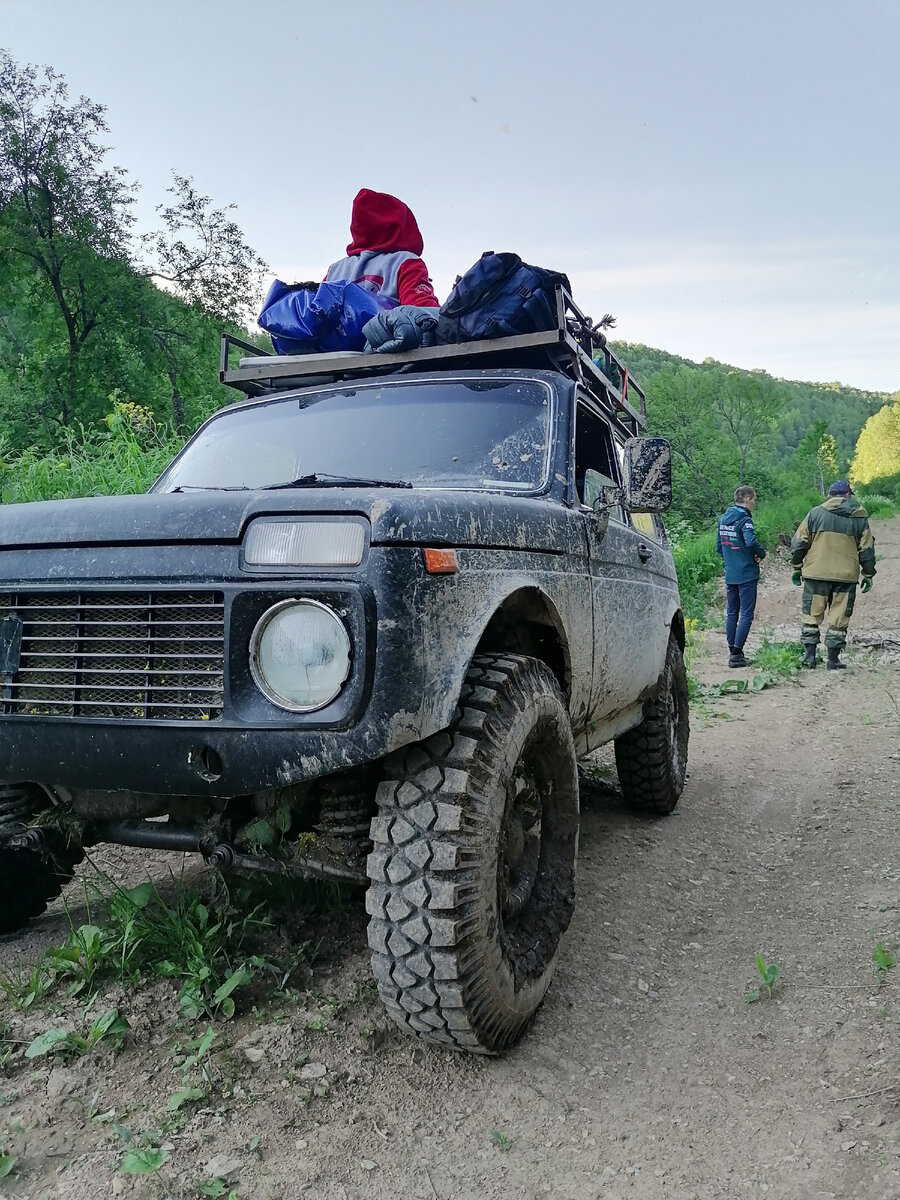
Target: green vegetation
885,959
769,974
89,306
199,945
124,454
843,409
878,448
109,1028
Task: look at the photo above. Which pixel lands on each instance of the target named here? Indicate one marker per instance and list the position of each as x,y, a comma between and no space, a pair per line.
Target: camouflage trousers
820,595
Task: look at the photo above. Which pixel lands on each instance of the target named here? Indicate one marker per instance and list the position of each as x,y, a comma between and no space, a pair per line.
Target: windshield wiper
207,487
323,479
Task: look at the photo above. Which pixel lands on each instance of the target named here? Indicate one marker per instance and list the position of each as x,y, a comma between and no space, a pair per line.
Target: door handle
644,552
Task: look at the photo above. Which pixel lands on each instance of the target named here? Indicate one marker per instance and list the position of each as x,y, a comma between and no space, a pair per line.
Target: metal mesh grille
137,655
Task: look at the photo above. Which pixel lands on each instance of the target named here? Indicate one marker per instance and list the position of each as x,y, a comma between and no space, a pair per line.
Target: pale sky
721,176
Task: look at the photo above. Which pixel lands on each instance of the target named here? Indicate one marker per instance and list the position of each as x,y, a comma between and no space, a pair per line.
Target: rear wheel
473,863
652,758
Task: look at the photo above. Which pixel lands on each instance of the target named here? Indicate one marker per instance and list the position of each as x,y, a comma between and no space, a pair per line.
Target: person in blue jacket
737,544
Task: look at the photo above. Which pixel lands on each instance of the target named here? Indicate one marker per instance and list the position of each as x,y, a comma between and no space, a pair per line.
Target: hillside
843,408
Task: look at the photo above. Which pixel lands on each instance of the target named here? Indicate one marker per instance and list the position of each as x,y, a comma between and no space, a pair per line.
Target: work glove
404,328
796,578
866,585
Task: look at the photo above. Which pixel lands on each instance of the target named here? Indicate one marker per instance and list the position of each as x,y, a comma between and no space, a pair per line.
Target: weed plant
199,945
123,457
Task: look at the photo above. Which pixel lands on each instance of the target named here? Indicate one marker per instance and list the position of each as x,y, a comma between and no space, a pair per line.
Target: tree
748,405
201,253
680,406
878,447
815,461
61,207
65,216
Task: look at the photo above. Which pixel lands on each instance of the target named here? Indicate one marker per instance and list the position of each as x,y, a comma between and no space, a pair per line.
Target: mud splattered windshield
486,434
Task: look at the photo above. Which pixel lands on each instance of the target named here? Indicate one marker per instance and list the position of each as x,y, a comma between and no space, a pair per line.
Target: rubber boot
809,655
834,662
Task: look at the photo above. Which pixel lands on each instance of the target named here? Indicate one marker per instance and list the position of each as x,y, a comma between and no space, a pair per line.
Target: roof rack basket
575,346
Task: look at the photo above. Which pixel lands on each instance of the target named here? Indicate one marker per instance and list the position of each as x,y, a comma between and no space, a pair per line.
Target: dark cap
841,488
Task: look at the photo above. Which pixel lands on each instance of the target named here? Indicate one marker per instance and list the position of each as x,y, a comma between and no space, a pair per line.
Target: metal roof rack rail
575,346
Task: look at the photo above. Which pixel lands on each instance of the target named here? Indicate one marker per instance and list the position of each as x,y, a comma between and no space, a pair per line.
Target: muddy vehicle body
361,628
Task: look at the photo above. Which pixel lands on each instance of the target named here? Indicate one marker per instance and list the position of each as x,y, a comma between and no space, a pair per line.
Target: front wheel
652,758
473,862
32,876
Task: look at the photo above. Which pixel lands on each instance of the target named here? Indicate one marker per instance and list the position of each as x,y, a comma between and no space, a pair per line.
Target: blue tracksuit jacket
736,542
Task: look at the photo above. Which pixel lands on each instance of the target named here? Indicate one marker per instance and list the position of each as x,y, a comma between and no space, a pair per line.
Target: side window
642,522
595,459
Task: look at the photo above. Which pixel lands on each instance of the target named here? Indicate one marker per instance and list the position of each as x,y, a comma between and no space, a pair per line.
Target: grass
773,663
200,945
123,457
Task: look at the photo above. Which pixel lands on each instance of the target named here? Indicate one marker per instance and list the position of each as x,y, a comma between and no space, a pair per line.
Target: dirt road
646,1074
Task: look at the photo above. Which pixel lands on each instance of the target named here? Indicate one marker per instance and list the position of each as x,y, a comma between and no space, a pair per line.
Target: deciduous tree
878,448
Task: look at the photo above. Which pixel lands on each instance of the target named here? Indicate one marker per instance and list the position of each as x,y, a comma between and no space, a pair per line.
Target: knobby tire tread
422,898
643,756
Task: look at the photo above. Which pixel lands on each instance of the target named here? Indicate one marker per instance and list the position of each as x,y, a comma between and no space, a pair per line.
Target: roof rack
575,346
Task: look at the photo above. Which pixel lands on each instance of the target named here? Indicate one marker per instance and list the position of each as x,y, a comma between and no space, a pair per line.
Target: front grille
130,655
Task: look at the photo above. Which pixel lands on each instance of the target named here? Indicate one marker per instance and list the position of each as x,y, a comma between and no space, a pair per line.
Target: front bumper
253,745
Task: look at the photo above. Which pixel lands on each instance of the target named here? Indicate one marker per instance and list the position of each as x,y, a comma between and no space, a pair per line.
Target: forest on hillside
109,336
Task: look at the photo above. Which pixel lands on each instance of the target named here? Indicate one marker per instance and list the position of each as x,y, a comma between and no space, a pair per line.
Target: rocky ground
646,1073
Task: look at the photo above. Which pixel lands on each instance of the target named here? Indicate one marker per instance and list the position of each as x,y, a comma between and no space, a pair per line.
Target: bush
877,504
125,457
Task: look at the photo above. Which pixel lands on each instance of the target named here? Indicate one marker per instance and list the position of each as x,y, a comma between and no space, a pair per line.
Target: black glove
404,328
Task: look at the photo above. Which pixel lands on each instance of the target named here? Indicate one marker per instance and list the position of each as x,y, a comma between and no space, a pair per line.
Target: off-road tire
468,901
31,878
651,759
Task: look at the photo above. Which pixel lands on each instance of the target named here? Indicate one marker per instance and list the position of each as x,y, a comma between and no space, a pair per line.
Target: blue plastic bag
301,320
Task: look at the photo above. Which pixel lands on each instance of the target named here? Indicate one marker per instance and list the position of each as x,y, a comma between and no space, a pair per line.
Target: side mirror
648,474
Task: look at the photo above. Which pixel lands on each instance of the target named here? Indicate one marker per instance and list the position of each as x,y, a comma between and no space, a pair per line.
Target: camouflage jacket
834,542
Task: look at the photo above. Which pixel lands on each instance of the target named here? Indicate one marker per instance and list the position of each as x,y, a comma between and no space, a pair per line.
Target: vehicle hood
397,517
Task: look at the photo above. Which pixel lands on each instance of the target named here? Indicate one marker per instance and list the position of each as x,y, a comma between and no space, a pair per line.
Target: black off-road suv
362,628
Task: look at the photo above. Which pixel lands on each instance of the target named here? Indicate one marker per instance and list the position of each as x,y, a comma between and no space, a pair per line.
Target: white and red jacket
384,252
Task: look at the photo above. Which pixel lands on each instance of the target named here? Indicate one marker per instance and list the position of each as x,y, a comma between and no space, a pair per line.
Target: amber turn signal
441,562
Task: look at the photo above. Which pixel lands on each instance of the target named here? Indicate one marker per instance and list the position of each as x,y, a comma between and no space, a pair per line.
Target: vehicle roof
574,348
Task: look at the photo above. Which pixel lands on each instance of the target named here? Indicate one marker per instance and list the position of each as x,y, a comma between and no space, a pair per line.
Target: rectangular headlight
287,543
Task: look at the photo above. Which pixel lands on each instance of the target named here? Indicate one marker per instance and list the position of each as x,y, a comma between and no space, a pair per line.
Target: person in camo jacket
832,545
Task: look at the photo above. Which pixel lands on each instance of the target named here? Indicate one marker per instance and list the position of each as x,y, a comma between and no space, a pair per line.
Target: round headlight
300,655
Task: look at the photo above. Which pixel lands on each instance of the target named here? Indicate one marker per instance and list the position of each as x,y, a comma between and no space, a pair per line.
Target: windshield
447,434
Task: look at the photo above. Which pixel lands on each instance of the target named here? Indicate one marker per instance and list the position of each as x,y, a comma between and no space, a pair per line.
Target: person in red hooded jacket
384,253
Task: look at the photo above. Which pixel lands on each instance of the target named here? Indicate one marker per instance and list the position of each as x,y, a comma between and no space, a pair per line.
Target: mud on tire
651,759
473,862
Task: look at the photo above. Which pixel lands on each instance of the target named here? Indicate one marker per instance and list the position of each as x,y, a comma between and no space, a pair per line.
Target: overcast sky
721,176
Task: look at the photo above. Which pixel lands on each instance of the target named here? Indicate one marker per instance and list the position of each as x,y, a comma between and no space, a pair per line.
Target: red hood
382,222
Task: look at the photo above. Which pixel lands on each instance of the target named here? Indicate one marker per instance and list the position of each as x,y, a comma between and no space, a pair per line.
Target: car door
658,578
621,587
